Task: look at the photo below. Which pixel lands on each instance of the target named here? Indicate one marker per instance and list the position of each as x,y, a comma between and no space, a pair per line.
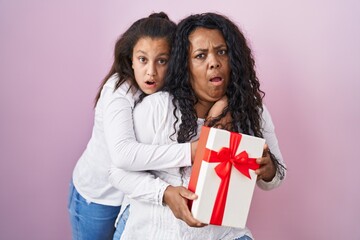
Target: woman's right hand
177,199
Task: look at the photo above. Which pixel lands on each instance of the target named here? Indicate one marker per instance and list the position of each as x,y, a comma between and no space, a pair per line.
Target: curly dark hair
157,25
243,92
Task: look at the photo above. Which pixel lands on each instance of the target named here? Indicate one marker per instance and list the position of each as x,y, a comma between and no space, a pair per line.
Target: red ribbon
227,159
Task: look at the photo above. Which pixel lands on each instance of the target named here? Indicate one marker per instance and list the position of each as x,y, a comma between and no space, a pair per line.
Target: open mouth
150,83
216,79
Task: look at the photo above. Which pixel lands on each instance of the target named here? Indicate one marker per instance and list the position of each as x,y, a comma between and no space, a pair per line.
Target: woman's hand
267,169
177,199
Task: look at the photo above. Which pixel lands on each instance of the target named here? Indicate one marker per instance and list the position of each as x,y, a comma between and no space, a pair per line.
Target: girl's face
149,62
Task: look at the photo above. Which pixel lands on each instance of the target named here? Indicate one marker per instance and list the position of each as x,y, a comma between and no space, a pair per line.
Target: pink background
53,55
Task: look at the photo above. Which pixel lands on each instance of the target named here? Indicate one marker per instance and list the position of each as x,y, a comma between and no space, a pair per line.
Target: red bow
227,158
241,162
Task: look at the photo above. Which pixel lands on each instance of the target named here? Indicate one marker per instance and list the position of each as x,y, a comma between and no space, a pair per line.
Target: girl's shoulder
110,94
159,99
125,89
158,103
113,80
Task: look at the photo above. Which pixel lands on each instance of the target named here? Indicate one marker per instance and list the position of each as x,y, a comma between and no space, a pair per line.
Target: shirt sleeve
153,120
141,186
273,144
128,154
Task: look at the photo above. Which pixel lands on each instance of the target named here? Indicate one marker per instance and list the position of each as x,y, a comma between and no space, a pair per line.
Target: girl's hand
218,107
215,111
177,200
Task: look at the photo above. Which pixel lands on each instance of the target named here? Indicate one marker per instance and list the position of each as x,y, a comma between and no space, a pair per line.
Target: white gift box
226,201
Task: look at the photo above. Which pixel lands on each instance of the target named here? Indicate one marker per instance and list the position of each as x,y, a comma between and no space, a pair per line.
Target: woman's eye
222,52
200,56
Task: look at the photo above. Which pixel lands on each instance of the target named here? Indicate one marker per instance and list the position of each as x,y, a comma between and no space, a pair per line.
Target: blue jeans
90,221
124,217
121,223
244,238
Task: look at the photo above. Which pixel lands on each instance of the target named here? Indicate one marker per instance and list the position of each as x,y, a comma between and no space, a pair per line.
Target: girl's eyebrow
145,53
163,54
140,51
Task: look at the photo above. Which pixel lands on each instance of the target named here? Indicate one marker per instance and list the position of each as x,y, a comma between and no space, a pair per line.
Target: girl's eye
200,56
162,61
222,52
142,59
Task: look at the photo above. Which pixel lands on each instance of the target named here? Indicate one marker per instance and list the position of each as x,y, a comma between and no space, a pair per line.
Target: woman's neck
202,108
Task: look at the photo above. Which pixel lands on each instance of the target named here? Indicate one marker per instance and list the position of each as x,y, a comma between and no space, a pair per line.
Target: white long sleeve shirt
113,142
149,219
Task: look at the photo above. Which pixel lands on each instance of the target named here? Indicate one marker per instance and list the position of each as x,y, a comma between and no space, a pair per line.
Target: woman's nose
214,65
214,62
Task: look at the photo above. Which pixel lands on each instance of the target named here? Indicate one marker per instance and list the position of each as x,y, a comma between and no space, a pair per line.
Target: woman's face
149,62
208,64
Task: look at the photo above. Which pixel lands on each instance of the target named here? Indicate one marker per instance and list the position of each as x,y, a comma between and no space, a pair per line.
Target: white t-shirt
113,142
149,219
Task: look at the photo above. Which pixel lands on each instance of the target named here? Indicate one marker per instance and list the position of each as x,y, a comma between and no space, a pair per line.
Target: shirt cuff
161,192
275,182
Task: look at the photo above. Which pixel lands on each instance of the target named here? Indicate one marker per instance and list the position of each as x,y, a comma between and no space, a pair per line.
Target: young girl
140,63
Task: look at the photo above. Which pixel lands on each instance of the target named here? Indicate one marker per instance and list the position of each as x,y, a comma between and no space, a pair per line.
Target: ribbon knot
241,162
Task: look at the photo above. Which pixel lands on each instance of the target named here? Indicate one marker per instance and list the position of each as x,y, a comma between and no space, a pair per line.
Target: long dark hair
243,92
157,25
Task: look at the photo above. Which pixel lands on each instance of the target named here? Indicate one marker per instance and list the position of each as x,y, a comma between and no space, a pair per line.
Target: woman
140,62
210,59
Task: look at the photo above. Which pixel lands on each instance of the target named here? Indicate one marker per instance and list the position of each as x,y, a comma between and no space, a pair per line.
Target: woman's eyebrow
201,50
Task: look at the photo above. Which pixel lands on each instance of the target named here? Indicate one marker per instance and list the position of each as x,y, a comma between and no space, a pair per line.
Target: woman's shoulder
265,112
266,117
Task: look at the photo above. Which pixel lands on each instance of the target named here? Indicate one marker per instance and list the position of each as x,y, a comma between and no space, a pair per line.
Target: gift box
223,176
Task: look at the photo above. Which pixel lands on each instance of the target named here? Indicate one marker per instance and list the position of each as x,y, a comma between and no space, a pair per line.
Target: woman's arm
272,167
